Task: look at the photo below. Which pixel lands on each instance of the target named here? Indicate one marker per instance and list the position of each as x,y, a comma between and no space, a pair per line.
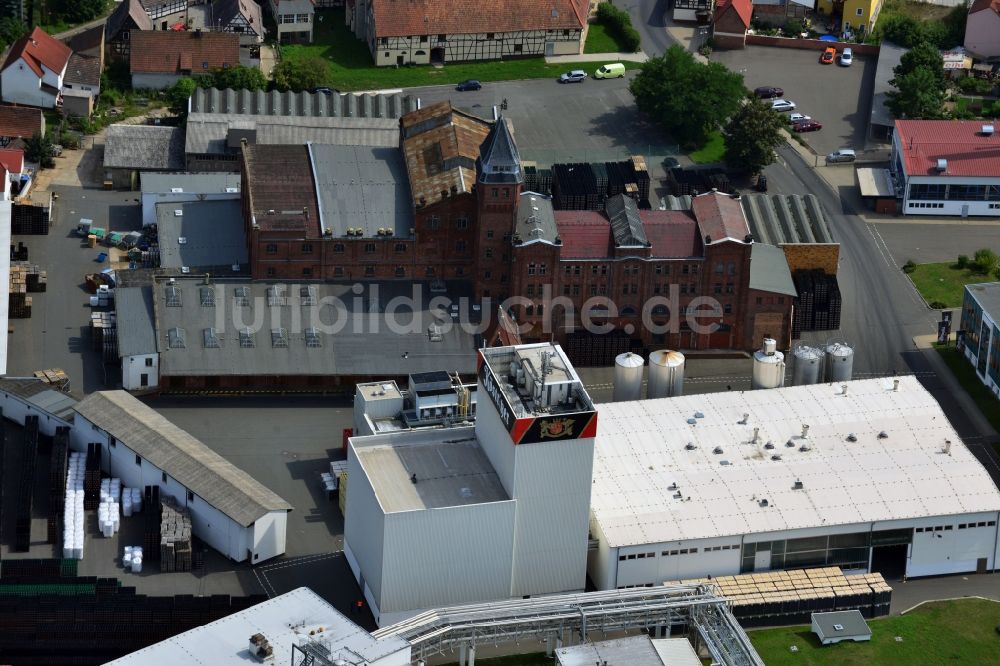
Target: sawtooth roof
195,466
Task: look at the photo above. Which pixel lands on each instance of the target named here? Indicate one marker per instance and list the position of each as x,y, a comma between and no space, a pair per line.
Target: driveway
838,97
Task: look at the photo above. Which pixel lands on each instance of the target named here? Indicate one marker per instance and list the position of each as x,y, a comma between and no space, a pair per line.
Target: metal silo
768,366
666,374
807,367
839,361
628,377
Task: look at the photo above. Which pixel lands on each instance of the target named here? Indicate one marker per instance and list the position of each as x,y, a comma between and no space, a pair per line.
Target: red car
828,55
807,126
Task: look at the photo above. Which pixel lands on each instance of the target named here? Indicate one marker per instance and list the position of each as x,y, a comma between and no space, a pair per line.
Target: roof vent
678,495
790,444
176,190
692,421
852,437
797,485
743,421
699,415
769,446
673,486
725,462
690,446
883,435
776,456
763,503
717,450
804,448
988,130
942,165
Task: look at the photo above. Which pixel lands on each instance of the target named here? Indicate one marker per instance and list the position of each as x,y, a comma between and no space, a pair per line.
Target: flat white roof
284,621
641,451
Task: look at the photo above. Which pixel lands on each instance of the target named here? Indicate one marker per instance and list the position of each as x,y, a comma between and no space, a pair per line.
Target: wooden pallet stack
175,537
102,327
54,377
19,303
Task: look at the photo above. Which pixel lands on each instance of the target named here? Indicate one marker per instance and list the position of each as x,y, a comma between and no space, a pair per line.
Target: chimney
805,431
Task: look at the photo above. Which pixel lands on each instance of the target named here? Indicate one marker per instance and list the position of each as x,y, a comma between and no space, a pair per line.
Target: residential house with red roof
401,32
34,69
982,29
11,167
946,167
18,123
159,59
732,20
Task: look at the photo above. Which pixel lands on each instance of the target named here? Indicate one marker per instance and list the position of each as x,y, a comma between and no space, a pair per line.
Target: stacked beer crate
92,478
175,537
57,482
151,534
19,303
26,479
102,328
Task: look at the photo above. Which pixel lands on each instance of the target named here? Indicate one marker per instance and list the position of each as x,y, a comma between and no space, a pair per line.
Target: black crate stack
589,350
818,305
19,252
29,220
57,483
582,186
151,533
25,488
697,181
92,478
3,452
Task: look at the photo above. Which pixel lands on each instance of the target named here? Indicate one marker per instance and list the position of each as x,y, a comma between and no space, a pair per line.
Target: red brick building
450,205
732,20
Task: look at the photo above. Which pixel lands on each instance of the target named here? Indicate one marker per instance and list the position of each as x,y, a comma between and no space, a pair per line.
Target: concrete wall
812,256
16,409
133,369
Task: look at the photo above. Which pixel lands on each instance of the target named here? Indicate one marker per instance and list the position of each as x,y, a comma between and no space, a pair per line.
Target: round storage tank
666,374
768,367
839,361
807,365
628,377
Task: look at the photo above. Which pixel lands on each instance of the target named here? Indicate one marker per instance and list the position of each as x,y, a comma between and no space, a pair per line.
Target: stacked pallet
819,303
18,253
535,179
583,186
789,597
54,377
151,533
102,328
19,303
92,478
697,181
590,350
29,219
57,482
175,537
26,481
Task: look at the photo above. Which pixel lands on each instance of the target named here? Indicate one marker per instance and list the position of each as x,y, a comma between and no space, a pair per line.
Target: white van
611,71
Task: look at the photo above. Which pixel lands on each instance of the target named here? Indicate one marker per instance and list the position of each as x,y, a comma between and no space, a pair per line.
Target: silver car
782,105
842,155
576,76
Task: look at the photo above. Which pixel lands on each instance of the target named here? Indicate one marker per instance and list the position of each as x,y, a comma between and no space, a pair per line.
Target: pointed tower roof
499,161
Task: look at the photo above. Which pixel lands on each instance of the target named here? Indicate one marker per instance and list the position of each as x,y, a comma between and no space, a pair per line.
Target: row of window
675,552
961,526
955,192
926,205
293,18
629,587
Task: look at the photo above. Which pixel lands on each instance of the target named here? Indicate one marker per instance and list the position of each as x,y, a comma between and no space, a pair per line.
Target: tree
985,261
39,149
178,94
922,56
688,98
78,11
751,135
917,96
237,78
304,74
11,30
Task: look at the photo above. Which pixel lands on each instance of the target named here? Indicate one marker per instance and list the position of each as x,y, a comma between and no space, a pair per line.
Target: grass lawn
350,64
944,282
966,376
984,108
712,151
955,632
599,40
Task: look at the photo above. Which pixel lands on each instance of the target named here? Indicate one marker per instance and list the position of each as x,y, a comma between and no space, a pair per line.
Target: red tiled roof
12,160
671,233
159,52
743,8
39,48
19,121
720,217
585,234
961,142
400,18
980,5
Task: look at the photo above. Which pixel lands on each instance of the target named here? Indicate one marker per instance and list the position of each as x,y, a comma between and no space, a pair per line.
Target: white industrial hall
866,475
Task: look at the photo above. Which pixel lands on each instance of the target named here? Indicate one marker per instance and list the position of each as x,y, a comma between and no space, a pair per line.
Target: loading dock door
762,560
890,561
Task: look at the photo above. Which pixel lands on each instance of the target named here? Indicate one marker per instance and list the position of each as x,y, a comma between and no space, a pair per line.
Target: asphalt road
593,121
925,243
649,18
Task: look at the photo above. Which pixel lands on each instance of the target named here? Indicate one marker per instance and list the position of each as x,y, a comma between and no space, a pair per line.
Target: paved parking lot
926,243
838,97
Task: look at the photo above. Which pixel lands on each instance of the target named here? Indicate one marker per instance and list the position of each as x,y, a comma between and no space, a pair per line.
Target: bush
972,85
963,261
619,25
985,261
909,266
938,305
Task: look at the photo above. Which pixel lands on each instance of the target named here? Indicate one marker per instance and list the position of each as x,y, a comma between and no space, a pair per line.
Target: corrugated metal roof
349,342
195,466
209,133
362,187
769,270
40,394
640,451
282,620
212,231
144,147
969,152
625,222
134,312
777,219
369,106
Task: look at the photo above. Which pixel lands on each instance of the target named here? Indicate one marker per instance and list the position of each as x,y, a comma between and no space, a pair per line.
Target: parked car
325,90
842,155
768,92
846,57
782,105
470,84
614,70
576,76
828,55
807,126
798,118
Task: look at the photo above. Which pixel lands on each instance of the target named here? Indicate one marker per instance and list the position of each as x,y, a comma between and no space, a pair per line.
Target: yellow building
856,16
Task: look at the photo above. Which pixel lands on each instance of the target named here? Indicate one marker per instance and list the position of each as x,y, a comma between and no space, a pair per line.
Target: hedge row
619,25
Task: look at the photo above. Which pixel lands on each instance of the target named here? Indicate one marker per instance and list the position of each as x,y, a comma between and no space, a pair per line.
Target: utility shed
230,511
840,626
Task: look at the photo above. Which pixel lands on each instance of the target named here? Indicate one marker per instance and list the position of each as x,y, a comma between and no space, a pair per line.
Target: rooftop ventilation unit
776,456
717,450
988,130
942,165
690,446
852,437
883,435
769,446
763,503
797,485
